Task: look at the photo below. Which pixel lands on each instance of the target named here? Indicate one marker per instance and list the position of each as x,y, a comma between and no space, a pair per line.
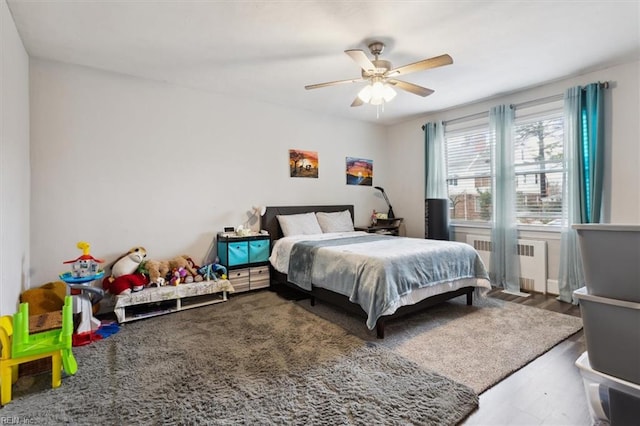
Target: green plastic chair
27,347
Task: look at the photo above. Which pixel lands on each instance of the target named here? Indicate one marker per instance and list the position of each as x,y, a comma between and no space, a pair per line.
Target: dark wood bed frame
279,280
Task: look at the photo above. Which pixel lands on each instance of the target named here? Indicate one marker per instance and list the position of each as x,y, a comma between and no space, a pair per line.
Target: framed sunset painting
303,163
359,171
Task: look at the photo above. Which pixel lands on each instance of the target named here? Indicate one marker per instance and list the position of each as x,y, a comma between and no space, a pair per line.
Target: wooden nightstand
383,226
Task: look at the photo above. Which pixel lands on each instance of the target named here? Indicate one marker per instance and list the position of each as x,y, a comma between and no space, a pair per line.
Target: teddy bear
185,262
156,270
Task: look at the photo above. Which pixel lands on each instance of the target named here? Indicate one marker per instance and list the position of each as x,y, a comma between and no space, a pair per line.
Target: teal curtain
505,266
584,162
436,168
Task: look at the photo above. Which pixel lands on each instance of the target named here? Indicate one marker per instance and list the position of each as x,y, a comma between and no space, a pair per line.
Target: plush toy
187,263
182,262
122,279
125,284
211,271
128,262
177,276
157,271
197,277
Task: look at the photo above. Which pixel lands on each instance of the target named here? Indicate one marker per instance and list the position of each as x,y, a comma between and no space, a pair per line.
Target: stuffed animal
197,277
177,276
182,262
125,284
128,262
211,271
124,266
157,271
185,262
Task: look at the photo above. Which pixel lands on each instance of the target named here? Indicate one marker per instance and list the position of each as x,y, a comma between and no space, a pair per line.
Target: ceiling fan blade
332,83
425,64
412,88
356,102
361,59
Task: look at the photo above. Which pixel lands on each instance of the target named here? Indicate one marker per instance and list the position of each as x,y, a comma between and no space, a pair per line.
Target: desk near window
383,226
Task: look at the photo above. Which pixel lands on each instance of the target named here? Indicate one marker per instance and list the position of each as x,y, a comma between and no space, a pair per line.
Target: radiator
533,260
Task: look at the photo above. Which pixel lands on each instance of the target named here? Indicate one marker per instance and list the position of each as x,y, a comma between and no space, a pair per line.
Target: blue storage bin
258,251
236,251
233,253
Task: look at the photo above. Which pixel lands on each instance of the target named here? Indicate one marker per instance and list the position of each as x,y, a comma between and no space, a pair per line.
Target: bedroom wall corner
14,164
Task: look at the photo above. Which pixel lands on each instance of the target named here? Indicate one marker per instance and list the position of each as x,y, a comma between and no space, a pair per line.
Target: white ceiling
269,50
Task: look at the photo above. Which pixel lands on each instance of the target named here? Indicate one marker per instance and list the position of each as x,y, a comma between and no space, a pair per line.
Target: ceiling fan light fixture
366,93
377,93
388,93
379,74
376,100
377,89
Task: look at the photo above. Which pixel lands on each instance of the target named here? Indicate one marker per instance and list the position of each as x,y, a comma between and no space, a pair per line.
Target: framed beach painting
303,163
359,171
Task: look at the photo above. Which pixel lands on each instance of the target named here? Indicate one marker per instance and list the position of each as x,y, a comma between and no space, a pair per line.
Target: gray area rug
475,345
256,359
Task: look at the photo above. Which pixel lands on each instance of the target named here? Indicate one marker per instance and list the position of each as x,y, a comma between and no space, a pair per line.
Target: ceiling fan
382,76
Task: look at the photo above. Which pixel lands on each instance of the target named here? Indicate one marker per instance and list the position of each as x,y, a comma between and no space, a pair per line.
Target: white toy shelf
155,301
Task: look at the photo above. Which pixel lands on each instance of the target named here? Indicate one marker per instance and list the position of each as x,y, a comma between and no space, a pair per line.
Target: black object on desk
383,226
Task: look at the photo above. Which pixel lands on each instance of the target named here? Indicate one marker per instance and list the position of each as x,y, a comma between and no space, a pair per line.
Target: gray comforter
375,271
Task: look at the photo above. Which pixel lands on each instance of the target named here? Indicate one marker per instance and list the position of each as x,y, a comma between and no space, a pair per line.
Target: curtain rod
552,98
603,85
463,118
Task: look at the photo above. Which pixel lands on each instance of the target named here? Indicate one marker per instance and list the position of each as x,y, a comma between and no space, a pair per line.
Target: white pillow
299,224
335,222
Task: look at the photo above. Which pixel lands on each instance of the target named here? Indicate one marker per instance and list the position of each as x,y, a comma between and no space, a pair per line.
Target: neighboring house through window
538,143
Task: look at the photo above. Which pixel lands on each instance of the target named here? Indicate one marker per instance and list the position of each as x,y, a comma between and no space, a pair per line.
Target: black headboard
270,221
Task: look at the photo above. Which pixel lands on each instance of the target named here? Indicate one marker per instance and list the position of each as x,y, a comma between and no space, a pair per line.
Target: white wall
622,180
14,164
119,162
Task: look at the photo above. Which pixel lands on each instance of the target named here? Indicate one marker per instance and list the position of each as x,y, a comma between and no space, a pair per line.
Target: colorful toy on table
84,269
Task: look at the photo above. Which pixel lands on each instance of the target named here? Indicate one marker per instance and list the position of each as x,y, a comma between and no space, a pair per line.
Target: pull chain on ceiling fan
381,76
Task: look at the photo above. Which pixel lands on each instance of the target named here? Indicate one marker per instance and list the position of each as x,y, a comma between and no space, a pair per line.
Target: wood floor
548,391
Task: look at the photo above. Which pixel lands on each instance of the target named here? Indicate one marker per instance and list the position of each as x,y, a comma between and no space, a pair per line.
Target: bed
379,277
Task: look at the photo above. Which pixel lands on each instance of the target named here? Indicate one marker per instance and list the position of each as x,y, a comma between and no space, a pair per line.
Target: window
468,156
538,143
